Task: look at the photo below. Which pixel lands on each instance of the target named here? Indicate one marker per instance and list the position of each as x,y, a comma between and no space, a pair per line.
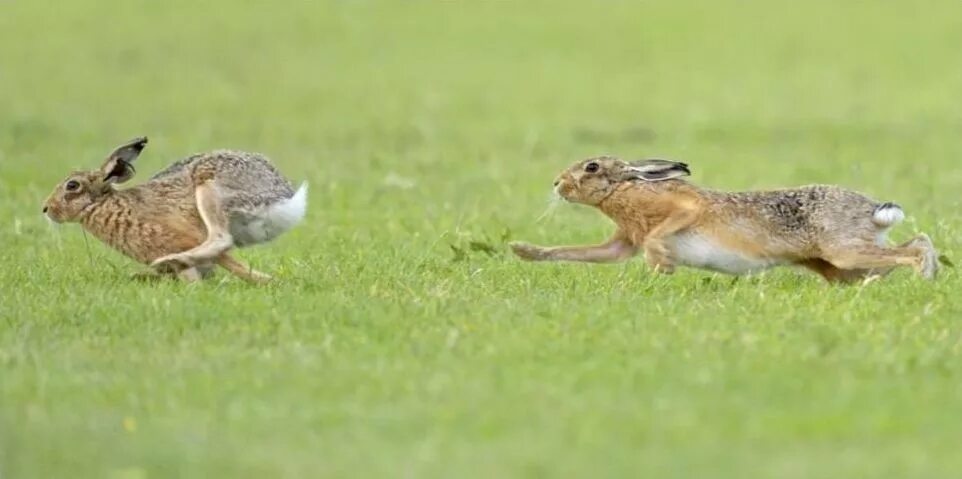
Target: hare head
82,189
591,181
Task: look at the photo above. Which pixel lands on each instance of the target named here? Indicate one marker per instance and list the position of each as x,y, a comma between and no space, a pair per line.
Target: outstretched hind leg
240,269
879,260
219,239
833,274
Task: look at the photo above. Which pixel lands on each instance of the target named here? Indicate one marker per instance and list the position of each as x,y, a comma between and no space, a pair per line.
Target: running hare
838,233
186,218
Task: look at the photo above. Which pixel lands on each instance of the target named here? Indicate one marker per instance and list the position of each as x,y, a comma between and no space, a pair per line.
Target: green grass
380,351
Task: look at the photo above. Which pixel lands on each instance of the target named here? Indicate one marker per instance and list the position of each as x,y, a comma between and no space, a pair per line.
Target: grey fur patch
247,182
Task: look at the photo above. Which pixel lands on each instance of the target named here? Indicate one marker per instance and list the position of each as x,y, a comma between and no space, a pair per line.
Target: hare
186,218
837,233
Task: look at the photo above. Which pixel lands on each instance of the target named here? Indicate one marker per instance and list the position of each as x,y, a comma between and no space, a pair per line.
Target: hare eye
72,185
591,167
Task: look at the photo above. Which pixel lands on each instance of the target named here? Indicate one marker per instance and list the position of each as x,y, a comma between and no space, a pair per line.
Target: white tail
285,214
271,222
887,215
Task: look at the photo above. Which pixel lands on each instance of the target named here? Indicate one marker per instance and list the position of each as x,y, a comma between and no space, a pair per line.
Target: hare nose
44,209
556,182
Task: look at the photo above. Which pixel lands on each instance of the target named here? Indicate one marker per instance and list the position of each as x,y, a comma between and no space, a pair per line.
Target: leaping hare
838,233
187,217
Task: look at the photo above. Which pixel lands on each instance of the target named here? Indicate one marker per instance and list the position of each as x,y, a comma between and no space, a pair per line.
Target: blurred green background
400,339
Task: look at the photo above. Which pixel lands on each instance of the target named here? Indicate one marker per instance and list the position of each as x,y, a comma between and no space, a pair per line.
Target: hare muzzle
563,188
51,213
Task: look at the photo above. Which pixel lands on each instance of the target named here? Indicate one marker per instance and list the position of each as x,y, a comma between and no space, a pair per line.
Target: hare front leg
189,275
186,274
219,239
618,248
656,253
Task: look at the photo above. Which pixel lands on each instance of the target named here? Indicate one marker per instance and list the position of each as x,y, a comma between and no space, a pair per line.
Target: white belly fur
696,251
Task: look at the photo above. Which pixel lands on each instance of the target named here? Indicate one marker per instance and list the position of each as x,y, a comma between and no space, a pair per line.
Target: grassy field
400,339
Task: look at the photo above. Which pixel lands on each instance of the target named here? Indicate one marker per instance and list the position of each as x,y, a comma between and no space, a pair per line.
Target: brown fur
827,229
162,221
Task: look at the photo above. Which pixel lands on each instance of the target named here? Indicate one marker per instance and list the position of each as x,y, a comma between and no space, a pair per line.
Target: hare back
260,202
247,180
811,213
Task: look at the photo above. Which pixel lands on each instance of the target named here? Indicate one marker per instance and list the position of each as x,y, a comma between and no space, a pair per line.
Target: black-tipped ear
658,170
119,165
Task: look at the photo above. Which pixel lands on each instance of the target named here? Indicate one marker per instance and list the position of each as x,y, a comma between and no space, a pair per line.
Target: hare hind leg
241,270
880,260
929,268
219,239
833,274
215,248
837,275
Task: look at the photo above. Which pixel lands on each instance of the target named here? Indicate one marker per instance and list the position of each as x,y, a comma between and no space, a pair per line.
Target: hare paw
145,276
929,266
663,268
656,255
173,261
260,278
189,275
528,252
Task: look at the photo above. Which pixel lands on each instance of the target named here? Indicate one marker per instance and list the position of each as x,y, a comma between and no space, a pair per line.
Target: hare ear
119,168
657,170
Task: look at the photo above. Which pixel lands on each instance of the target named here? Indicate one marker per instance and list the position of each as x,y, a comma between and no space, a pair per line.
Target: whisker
553,201
54,229
87,247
